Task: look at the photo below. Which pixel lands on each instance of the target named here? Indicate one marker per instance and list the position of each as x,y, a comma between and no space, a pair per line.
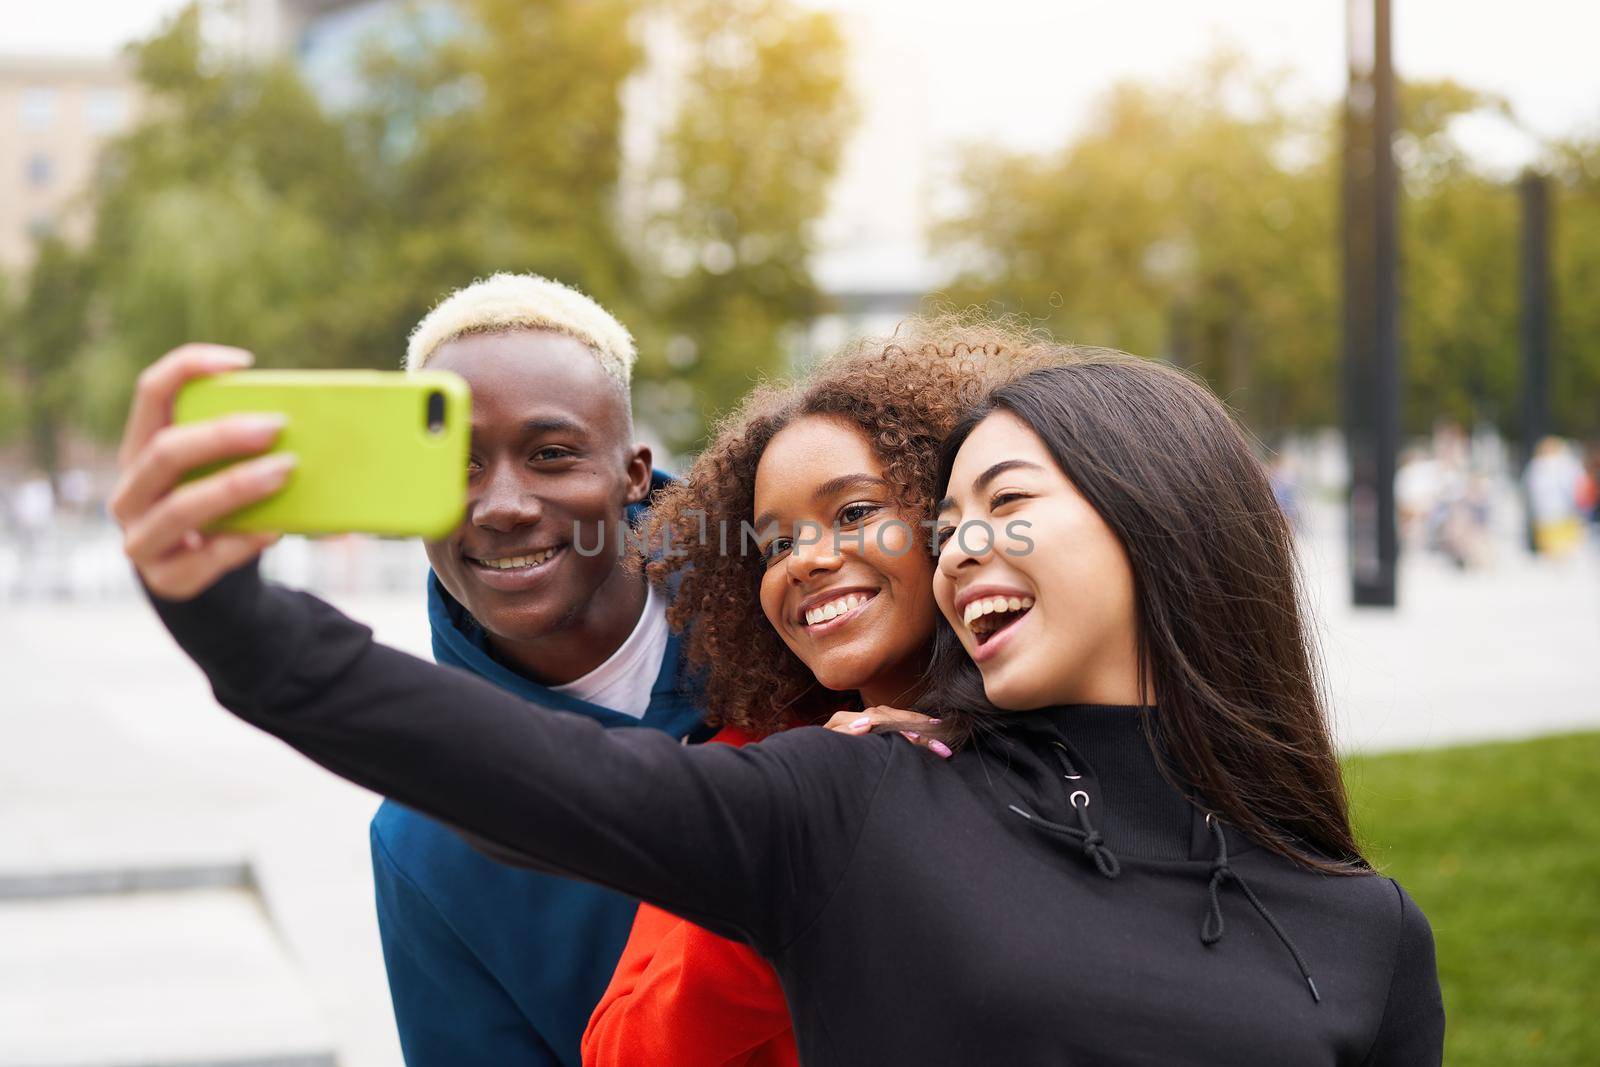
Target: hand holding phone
161,519
176,501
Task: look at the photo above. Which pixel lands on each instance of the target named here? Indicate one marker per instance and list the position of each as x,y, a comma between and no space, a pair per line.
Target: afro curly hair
904,393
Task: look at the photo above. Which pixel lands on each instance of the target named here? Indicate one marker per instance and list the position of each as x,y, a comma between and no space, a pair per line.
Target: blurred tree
741,175
1201,222
1196,222
241,210
1459,251
511,157
10,372
49,332
498,147
228,215
1575,356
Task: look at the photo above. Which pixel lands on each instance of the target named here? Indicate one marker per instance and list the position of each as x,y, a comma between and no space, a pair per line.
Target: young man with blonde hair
490,964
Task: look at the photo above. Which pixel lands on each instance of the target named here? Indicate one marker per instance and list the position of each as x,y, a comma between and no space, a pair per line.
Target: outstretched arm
746,842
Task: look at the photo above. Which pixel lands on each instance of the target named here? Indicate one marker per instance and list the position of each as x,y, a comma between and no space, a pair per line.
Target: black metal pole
1535,320
1371,304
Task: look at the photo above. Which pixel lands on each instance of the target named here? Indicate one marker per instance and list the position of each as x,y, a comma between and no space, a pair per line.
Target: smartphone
382,452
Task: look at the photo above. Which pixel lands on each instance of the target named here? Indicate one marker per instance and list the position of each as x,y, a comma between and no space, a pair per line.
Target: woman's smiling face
1031,578
846,582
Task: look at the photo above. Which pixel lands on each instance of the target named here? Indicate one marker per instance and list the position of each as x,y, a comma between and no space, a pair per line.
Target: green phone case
368,460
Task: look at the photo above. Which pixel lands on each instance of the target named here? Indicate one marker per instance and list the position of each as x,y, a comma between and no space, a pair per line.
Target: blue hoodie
494,965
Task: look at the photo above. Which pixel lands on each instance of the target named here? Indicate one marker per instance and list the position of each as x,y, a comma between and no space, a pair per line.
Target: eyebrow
553,424
829,488
982,481
834,486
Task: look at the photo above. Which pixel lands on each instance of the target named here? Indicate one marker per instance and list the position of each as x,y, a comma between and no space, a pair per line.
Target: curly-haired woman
800,544
1143,856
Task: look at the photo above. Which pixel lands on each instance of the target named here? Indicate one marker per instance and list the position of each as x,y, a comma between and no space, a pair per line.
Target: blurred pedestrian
33,517
1589,496
1554,483
1418,486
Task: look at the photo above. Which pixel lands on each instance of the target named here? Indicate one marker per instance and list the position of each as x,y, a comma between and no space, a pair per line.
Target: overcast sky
1027,71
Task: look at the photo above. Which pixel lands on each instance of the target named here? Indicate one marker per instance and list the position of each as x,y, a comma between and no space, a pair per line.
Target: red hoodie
684,997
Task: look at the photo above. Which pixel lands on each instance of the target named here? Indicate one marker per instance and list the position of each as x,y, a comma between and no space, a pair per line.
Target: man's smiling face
551,467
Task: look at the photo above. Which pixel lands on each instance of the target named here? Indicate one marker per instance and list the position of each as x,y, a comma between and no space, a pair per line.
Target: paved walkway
115,764
1499,653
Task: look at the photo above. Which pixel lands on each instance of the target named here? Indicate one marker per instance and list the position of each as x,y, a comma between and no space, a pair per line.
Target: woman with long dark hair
1175,576
1140,852
789,634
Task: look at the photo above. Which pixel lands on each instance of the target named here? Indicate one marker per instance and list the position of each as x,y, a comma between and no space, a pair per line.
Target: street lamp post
1371,304
1535,318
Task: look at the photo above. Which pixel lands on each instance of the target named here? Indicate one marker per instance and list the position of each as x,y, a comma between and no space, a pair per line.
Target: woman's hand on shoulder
883,719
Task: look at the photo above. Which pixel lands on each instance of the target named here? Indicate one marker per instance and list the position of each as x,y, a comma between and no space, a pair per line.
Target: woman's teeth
834,608
511,563
987,614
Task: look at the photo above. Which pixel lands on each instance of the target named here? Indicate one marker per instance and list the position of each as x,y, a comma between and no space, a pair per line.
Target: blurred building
264,29
55,114
327,38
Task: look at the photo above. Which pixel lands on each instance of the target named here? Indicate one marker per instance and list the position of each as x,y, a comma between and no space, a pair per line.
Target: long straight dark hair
1242,726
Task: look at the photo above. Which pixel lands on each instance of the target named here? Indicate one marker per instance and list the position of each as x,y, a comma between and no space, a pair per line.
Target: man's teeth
989,605
834,608
511,563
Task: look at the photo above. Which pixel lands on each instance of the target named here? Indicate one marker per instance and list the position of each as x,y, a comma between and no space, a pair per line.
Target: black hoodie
1045,897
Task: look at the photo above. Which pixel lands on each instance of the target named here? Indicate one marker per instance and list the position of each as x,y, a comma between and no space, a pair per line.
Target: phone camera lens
435,411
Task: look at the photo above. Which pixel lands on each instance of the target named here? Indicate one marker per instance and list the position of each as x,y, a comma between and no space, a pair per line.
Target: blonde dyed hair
503,303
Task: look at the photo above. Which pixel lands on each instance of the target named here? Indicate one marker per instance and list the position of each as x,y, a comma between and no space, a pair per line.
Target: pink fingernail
269,423
274,468
865,720
913,736
935,720
941,748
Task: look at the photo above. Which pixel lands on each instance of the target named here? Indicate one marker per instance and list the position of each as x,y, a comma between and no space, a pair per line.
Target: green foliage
10,386
1459,247
241,211
1176,225
742,173
500,149
226,216
1575,376
1197,221
49,332
1497,843
1200,222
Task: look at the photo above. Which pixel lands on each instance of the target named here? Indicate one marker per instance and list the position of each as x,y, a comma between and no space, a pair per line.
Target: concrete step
158,978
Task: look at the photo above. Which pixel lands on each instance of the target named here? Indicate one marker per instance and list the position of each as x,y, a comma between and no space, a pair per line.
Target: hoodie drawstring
1093,845
1211,927
1085,833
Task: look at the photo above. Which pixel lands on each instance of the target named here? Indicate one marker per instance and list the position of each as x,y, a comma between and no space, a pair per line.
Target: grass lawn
1500,845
